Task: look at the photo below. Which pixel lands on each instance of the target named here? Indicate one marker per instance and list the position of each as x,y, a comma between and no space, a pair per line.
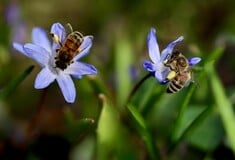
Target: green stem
137,86
36,117
183,107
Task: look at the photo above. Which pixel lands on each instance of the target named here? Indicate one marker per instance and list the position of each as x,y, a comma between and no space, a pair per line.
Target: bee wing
85,47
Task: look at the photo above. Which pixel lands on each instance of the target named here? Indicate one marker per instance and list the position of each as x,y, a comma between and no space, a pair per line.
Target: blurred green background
196,123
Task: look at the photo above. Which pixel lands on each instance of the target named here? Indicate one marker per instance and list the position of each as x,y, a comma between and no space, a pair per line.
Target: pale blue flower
156,66
44,52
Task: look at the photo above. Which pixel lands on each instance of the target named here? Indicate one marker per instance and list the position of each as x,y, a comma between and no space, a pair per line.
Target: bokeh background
39,124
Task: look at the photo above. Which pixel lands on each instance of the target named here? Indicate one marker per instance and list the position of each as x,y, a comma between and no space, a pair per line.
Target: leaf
208,134
109,131
123,59
14,83
176,131
222,102
143,131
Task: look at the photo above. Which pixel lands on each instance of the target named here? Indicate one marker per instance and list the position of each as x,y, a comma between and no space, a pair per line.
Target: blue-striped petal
78,69
67,87
39,37
19,47
153,47
44,78
37,53
168,50
193,61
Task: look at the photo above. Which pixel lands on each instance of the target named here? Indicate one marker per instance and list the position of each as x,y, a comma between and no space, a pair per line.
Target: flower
14,19
44,53
157,67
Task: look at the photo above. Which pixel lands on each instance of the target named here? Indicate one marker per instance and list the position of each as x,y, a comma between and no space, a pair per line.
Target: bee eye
182,62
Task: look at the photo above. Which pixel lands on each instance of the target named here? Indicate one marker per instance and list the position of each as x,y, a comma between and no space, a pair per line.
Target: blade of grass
143,131
175,134
224,106
14,83
123,60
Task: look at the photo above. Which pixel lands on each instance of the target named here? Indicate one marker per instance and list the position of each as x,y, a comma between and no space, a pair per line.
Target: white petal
44,78
37,53
67,87
39,37
85,47
153,48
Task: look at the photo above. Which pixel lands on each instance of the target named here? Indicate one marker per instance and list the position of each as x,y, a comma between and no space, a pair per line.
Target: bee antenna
69,26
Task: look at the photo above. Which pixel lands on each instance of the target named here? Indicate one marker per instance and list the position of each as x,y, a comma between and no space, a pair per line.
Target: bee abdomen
173,87
70,45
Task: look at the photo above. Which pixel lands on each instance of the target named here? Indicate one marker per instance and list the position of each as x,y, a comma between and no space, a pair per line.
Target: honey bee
68,49
180,74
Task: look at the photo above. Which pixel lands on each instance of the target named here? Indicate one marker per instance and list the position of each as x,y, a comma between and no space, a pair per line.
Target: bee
68,49
180,74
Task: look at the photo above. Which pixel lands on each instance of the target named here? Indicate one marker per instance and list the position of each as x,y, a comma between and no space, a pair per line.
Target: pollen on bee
55,38
171,75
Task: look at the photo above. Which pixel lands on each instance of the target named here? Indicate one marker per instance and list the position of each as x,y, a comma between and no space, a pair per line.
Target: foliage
122,112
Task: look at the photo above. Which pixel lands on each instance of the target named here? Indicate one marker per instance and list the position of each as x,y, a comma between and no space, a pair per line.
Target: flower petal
67,87
85,47
44,78
153,48
193,61
78,69
161,76
19,47
168,50
149,66
39,37
37,53
59,31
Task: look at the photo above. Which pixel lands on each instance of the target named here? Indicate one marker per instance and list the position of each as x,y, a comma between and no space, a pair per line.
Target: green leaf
176,132
123,59
208,134
14,83
109,131
222,102
143,131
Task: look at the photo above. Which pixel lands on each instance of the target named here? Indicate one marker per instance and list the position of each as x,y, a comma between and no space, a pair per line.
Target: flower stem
137,86
39,109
